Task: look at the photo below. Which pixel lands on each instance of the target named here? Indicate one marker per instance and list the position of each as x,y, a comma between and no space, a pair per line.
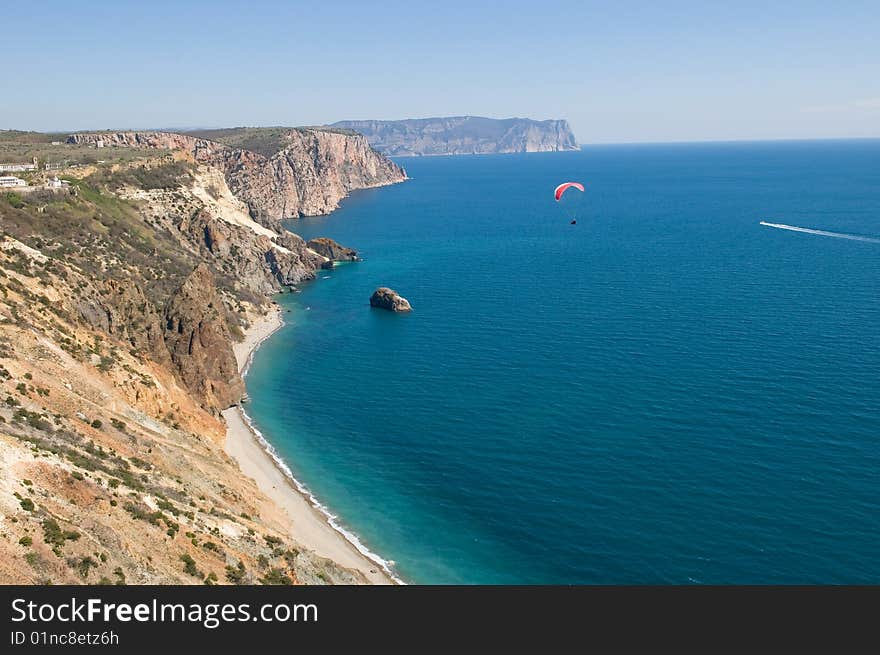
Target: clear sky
619,71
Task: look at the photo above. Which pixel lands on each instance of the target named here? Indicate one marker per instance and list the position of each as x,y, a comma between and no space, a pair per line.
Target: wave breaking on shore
328,515
269,449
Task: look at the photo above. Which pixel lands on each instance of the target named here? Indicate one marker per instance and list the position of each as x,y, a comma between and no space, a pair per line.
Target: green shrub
189,566
26,541
27,504
83,565
141,464
276,577
55,536
33,419
236,574
14,199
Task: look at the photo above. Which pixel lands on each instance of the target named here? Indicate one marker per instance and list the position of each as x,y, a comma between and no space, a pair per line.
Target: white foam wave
331,518
250,357
821,233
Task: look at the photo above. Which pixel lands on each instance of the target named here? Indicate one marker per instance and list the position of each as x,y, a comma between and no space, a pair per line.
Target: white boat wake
821,233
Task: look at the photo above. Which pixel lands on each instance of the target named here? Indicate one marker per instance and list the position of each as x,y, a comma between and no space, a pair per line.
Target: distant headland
464,135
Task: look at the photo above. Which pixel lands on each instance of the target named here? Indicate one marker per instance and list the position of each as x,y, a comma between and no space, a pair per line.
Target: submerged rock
389,299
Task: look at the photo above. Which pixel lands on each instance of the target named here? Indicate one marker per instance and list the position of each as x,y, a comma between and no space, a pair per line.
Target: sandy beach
305,523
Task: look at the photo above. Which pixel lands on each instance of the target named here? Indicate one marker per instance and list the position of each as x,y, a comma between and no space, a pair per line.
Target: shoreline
305,519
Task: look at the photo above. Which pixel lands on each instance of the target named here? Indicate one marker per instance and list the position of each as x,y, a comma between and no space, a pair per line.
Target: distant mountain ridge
463,135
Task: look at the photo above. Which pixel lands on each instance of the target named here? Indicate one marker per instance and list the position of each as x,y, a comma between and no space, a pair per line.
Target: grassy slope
21,147
101,233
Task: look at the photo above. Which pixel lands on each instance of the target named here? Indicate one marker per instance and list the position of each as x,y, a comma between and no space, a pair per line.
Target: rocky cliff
464,135
332,250
311,170
119,305
112,469
198,339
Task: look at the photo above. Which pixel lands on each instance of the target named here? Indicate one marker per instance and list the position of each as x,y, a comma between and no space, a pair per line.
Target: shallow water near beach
666,392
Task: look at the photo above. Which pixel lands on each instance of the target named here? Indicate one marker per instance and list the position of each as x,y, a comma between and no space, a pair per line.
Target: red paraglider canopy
565,186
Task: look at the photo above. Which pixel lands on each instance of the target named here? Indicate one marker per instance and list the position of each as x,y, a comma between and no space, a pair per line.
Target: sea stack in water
389,299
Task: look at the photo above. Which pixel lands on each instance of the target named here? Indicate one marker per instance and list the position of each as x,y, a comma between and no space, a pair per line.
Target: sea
666,391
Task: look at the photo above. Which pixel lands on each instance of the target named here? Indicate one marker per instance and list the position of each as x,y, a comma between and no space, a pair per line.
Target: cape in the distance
463,135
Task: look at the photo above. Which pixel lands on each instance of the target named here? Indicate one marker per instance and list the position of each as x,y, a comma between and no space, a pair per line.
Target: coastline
302,516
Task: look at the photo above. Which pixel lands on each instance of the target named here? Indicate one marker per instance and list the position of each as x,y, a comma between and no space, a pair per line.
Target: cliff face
199,343
111,469
119,305
464,135
217,227
332,250
308,175
312,174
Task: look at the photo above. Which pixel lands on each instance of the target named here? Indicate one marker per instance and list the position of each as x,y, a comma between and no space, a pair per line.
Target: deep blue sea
665,392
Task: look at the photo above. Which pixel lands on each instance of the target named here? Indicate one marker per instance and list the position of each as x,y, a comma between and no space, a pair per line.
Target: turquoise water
666,392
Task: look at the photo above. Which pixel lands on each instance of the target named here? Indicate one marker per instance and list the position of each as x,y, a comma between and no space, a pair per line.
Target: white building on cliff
18,168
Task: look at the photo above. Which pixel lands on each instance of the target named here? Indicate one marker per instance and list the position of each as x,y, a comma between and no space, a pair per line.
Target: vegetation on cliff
277,172
120,298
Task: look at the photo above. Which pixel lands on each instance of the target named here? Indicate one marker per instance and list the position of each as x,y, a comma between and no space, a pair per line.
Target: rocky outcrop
386,298
104,447
211,223
121,310
308,176
207,224
332,250
199,342
118,313
261,264
464,135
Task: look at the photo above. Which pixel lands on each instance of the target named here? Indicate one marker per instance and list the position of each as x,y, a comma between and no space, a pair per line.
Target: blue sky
619,71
